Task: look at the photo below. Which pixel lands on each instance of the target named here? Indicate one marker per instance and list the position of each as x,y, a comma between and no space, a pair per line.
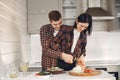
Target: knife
74,58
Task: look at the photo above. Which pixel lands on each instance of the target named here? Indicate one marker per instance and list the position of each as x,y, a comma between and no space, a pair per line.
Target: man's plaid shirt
49,56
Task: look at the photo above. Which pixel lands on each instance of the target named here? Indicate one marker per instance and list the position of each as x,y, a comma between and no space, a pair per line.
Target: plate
92,73
43,76
57,72
42,73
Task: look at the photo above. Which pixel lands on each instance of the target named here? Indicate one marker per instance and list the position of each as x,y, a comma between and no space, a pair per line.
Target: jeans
65,66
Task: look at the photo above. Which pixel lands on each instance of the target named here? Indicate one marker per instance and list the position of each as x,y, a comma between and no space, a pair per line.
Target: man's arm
54,51
45,44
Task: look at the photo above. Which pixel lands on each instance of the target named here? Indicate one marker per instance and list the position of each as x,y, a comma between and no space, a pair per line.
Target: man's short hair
54,15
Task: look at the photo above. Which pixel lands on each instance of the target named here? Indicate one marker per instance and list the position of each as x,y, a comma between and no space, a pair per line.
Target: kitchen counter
102,63
88,63
65,76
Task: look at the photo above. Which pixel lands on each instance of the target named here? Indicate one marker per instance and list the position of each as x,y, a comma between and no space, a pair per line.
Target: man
47,33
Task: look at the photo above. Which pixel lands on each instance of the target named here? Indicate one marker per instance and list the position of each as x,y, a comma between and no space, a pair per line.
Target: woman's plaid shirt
64,40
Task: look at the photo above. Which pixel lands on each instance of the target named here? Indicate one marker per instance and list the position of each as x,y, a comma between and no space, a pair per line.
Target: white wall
14,39
101,46
36,49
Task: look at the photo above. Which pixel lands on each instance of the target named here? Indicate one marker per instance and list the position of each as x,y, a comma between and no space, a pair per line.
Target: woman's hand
81,62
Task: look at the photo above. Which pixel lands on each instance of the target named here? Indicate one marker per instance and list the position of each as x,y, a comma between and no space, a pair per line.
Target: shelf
69,6
69,11
103,18
117,4
65,18
117,16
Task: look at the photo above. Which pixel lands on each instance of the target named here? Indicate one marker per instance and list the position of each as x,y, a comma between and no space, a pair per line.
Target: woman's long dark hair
85,18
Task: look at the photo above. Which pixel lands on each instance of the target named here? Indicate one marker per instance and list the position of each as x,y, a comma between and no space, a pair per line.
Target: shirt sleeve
45,41
84,46
81,47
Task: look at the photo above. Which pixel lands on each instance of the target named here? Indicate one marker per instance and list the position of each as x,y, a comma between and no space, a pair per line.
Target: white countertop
102,63
31,76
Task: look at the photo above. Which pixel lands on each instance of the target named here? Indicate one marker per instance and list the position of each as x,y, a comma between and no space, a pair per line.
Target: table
103,76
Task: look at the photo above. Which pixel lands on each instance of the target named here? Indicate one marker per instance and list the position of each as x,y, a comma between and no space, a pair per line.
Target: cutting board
92,73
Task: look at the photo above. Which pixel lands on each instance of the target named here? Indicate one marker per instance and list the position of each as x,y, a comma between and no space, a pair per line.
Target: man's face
56,24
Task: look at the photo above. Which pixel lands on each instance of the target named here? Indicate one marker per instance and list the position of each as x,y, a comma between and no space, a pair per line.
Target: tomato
37,74
87,70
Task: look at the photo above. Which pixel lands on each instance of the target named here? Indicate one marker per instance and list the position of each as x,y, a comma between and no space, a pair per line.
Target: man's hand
67,58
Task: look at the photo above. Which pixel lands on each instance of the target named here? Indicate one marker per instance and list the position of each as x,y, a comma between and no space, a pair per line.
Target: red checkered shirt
49,56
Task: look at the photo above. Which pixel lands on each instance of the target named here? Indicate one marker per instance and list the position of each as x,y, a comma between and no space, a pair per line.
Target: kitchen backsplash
101,46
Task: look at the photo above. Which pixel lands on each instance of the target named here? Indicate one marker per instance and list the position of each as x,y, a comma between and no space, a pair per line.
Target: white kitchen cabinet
70,9
117,15
38,13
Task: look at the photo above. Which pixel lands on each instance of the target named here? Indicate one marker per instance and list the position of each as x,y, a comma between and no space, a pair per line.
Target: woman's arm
81,62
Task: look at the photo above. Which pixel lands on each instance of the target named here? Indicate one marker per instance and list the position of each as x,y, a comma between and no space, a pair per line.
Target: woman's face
81,26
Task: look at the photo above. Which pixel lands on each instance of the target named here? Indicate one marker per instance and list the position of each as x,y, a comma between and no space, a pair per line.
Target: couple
62,45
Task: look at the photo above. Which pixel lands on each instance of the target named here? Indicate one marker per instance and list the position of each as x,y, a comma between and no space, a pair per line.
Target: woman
82,28
72,40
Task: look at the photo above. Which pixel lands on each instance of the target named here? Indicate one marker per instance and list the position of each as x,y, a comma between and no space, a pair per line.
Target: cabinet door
70,10
38,13
117,15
